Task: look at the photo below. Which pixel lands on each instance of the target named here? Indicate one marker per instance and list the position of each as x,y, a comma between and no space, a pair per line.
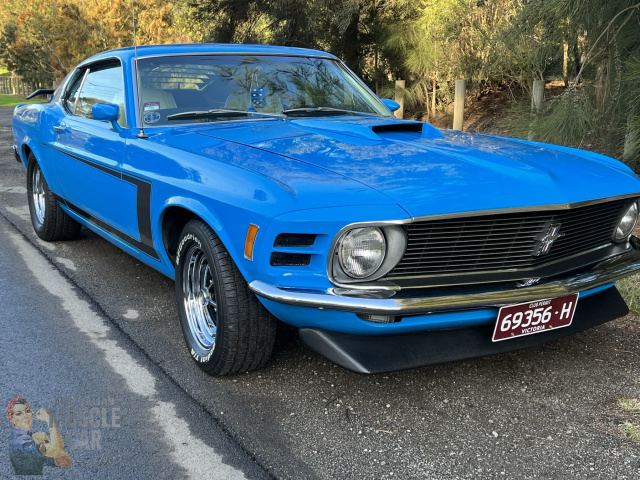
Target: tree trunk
631,152
376,73
576,58
433,92
435,78
565,62
351,45
603,82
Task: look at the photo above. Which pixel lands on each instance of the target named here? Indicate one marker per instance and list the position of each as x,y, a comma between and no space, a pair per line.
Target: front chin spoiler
391,353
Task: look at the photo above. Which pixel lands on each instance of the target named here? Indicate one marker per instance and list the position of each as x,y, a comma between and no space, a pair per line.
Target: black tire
49,221
225,327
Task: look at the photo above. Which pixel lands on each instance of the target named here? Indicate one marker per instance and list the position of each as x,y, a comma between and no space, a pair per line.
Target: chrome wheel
199,298
38,194
225,327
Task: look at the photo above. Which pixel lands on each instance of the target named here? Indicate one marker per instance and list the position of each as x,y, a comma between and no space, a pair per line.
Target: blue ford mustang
270,183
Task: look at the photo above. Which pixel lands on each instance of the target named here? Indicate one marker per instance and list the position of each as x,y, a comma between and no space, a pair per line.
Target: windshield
201,88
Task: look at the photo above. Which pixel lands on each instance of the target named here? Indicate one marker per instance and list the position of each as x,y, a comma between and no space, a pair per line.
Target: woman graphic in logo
30,452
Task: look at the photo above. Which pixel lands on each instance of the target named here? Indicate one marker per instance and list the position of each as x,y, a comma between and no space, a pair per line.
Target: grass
630,289
629,404
631,431
12,100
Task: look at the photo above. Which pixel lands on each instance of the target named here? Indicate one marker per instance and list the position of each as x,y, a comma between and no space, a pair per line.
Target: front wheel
225,327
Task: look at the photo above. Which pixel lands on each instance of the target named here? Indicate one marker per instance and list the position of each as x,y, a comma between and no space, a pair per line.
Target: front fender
231,233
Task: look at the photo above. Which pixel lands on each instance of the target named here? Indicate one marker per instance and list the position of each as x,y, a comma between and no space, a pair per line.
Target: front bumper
391,353
603,273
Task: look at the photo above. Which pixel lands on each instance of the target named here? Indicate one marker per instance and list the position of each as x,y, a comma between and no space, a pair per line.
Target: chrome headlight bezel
361,252
395,242
631,215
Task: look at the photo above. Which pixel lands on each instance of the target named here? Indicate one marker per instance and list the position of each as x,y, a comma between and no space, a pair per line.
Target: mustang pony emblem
553,233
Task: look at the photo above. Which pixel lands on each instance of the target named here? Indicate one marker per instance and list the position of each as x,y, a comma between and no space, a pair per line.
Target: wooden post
400,85
565,62
458,105
537,95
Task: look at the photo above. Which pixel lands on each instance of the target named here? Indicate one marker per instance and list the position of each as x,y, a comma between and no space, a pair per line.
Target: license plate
534,317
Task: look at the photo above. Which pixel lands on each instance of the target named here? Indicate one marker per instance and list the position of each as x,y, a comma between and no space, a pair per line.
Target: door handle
59,128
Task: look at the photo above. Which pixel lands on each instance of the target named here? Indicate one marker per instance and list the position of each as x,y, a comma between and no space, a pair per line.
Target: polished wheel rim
38,193
199,299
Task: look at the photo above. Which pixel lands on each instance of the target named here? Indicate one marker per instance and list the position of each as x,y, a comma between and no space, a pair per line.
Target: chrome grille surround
504,246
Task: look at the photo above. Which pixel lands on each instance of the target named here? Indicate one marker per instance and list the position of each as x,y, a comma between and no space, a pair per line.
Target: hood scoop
398,127
370,131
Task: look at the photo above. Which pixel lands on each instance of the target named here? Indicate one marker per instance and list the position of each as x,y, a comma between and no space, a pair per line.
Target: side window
72,93
102,85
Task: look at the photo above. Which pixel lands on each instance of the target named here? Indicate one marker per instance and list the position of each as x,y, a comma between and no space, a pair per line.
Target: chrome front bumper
601,274
16,154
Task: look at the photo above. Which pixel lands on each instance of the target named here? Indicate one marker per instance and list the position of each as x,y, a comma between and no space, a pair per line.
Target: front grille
284,259
294,240
506,241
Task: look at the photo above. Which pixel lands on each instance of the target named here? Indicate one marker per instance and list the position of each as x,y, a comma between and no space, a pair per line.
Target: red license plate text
534,317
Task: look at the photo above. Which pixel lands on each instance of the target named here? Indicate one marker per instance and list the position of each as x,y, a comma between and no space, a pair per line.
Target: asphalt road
549,412
61,354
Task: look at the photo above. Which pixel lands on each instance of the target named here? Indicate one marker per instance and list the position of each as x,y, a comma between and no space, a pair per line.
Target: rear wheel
225,327
49,221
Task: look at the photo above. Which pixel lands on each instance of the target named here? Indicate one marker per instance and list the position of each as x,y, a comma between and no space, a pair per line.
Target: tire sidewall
31,165
194,235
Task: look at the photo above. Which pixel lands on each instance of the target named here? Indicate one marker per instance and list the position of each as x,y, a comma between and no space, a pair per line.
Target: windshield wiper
221,112
330,110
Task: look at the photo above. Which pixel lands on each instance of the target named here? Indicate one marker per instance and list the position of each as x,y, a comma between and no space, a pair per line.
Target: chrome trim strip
538,208
603,273
245,52
84,79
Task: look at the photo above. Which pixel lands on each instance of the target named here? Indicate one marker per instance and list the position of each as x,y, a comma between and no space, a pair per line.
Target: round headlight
362,251
627,223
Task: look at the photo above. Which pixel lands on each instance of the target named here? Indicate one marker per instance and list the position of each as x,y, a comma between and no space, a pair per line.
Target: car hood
427,171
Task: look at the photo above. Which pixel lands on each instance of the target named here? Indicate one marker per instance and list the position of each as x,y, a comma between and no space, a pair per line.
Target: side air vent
283,259
295,240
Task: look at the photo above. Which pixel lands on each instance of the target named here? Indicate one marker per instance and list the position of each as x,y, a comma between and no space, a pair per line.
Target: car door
88,152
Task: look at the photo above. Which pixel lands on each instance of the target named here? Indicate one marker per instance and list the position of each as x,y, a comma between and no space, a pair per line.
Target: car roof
208,48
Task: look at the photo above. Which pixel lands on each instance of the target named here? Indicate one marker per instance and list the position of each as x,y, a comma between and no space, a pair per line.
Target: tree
42,40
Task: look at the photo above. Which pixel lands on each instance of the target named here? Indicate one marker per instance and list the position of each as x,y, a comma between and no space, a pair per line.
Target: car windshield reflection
214,86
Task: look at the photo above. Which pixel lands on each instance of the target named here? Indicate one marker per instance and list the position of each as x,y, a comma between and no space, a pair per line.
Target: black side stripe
143,207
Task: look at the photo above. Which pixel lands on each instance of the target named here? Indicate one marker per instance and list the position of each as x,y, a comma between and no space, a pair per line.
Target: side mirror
390,104
107,112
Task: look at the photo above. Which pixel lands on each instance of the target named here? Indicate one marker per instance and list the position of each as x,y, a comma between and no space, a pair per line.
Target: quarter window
72,95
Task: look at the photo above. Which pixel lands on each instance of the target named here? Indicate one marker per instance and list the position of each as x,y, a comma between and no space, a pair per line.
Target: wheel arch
176,214
26,151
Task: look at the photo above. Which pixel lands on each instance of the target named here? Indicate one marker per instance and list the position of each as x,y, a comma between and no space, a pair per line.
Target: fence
16,86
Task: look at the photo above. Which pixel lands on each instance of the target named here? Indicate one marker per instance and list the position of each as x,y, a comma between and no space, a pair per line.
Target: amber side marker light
252,233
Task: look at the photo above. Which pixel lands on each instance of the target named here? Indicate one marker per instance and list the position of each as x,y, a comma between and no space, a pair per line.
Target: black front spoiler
391,353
